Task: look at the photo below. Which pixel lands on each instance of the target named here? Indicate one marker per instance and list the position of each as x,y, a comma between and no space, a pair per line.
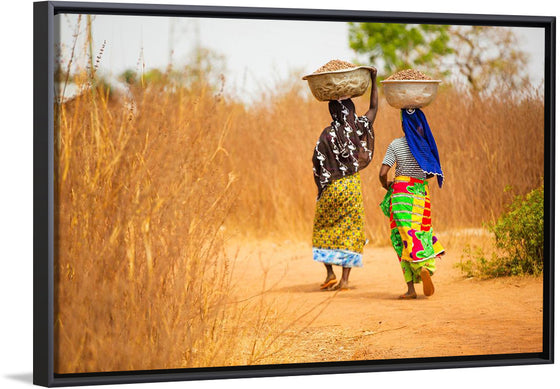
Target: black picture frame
44,201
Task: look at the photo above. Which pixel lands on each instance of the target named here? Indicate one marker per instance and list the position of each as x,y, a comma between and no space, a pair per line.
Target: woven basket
408,94
338,84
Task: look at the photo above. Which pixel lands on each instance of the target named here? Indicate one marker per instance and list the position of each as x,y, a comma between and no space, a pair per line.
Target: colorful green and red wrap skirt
407,204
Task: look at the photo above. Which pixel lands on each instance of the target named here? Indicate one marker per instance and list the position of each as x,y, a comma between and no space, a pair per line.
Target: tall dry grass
150,193
142,281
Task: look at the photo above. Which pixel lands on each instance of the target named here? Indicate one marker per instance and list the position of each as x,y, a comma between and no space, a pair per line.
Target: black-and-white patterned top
399,152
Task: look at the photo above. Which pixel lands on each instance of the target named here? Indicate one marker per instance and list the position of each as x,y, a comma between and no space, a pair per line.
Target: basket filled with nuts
409,89
337,80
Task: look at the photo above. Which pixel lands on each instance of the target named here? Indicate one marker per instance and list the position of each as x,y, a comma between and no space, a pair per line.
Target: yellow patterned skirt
338,228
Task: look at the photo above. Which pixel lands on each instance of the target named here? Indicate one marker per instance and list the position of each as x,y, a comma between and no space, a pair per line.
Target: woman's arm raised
372,111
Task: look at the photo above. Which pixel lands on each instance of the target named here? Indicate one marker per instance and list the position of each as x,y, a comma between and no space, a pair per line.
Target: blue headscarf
421,142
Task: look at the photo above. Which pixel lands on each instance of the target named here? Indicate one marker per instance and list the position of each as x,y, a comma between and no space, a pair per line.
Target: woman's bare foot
410,293
408,296
427,283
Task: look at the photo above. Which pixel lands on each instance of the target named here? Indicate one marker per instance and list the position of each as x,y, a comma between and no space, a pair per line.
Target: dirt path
464,317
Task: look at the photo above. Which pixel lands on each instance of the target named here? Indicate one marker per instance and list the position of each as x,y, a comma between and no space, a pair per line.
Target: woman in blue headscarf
407,202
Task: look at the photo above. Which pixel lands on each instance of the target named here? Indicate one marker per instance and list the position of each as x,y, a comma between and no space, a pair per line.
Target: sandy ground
368,321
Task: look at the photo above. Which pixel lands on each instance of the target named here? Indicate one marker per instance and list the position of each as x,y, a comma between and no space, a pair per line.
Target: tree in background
483,57
488,57
393,47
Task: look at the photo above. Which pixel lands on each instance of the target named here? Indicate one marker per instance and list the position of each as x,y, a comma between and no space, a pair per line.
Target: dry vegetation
142,279
148,198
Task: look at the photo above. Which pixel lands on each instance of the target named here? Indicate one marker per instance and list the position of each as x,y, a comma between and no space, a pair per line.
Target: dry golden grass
147,199
137,246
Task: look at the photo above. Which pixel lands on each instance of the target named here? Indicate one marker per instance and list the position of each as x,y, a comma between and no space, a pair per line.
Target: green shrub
519,235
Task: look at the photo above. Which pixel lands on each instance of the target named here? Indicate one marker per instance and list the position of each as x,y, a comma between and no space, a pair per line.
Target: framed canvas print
225,192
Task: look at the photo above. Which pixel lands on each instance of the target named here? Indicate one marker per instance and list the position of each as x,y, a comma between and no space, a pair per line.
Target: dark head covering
421,142
345,147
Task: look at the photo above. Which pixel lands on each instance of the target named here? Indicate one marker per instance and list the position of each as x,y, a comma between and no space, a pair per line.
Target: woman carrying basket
407,202
343,149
